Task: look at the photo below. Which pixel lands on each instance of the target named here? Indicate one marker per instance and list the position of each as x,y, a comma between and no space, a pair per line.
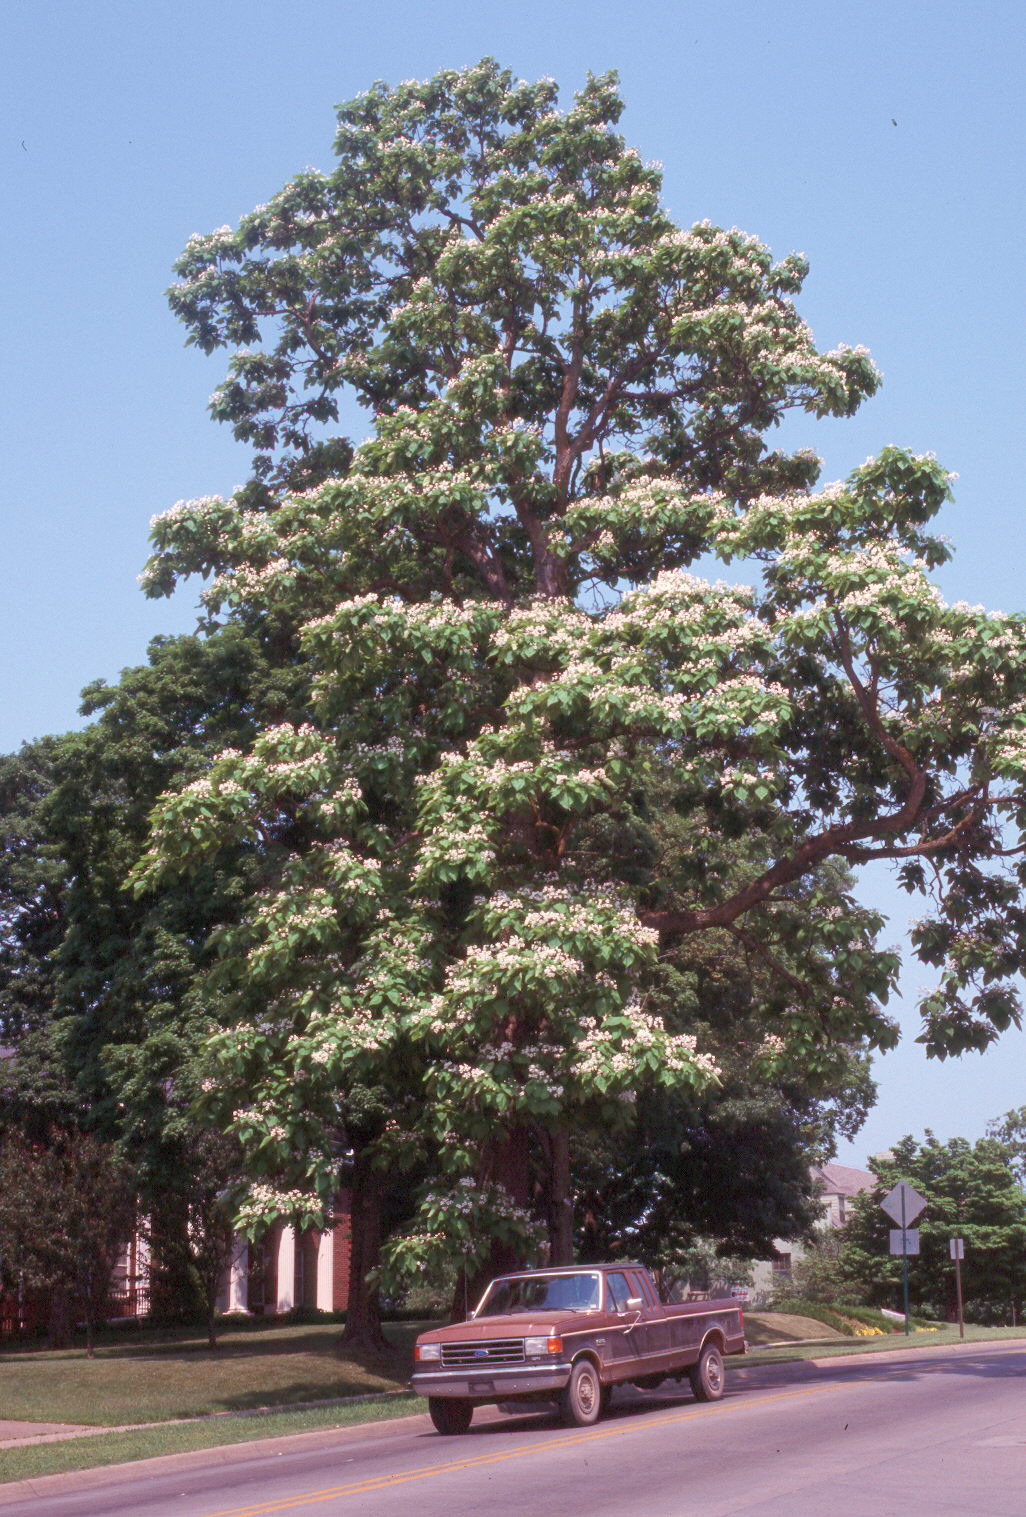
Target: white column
326,1271
142,1256
286,1270
238,1277
142,1269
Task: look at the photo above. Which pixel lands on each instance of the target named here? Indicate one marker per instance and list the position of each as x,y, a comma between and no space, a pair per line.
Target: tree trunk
561,1206
363,1307
58,1320
506,1162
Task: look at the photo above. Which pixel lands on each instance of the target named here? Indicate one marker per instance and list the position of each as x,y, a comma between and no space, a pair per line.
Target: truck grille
486,1351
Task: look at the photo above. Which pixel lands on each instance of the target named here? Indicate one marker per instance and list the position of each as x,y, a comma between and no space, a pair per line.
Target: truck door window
639,1287
619,1291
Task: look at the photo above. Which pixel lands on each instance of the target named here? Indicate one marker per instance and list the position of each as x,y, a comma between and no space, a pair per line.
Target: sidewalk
14,1434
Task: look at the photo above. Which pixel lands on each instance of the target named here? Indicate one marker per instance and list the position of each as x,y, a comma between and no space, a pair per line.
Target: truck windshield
574,1293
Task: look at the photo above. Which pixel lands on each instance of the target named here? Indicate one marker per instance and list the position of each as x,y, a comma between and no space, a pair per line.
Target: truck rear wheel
450,1415
707,1375
580,1403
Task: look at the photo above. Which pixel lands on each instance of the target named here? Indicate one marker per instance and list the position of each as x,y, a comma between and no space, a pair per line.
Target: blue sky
886,141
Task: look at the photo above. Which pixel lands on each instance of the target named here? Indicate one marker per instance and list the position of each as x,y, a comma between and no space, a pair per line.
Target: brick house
284,1270
288,1269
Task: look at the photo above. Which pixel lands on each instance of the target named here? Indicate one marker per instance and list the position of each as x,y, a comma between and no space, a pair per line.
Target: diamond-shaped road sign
903,1203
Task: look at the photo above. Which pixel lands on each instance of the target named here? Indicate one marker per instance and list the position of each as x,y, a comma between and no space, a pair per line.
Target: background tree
214,1179
972,1193
1010,1131
66,1208
31,920
567,400
821,1275
103,980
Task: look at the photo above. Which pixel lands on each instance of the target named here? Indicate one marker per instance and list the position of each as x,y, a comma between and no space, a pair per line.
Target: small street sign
904,1240
903,1203
956,1248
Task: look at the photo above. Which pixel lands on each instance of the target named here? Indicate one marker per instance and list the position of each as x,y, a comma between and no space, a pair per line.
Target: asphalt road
912,1432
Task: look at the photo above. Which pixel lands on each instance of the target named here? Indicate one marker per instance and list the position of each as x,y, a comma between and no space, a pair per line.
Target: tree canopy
94,984
460,887
971,1192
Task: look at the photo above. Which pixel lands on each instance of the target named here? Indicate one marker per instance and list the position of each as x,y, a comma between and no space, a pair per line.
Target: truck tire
580,1403
450,1415
707,1375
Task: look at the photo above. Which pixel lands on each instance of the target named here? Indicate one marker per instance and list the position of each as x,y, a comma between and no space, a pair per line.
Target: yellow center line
479,1461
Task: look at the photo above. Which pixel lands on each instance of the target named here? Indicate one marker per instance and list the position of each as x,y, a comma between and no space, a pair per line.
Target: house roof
839,1180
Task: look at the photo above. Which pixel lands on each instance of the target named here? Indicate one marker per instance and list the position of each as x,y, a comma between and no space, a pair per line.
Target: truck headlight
533,1347
425,1351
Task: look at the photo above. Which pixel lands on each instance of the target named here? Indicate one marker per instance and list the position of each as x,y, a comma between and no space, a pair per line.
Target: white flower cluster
264,1204
189,510
609,1049
247,579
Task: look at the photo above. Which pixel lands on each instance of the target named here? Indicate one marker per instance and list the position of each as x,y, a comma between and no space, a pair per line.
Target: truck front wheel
450,1416
580,1403
707,1375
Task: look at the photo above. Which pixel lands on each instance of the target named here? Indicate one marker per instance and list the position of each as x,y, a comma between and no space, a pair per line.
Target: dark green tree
972,1192
1010,1130
31,891
95,984
66,1208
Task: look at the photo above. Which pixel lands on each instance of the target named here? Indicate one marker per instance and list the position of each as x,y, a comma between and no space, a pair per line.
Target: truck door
627,1337
653,1331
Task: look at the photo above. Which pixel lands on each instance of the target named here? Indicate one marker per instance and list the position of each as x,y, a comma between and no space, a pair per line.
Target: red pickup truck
568,1336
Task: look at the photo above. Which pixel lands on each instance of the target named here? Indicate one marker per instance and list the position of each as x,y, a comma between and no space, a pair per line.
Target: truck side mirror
634,1304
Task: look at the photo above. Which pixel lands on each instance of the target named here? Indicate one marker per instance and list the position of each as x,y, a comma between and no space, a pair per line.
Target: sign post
904,1204
956,1248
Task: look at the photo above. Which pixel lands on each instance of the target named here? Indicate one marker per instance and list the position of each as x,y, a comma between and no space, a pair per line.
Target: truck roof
568,1269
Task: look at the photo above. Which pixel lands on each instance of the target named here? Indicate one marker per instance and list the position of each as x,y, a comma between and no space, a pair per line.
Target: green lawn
152,1382
179,1438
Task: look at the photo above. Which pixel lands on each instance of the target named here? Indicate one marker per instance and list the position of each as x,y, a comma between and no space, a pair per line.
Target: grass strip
830,1348
98,1449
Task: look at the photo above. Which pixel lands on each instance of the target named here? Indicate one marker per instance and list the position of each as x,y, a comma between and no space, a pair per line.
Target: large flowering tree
567,401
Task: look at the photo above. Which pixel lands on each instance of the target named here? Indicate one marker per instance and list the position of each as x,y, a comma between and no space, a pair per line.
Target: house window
782,1266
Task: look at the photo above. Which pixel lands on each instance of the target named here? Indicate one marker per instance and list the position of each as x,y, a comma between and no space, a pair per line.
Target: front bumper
491,1383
